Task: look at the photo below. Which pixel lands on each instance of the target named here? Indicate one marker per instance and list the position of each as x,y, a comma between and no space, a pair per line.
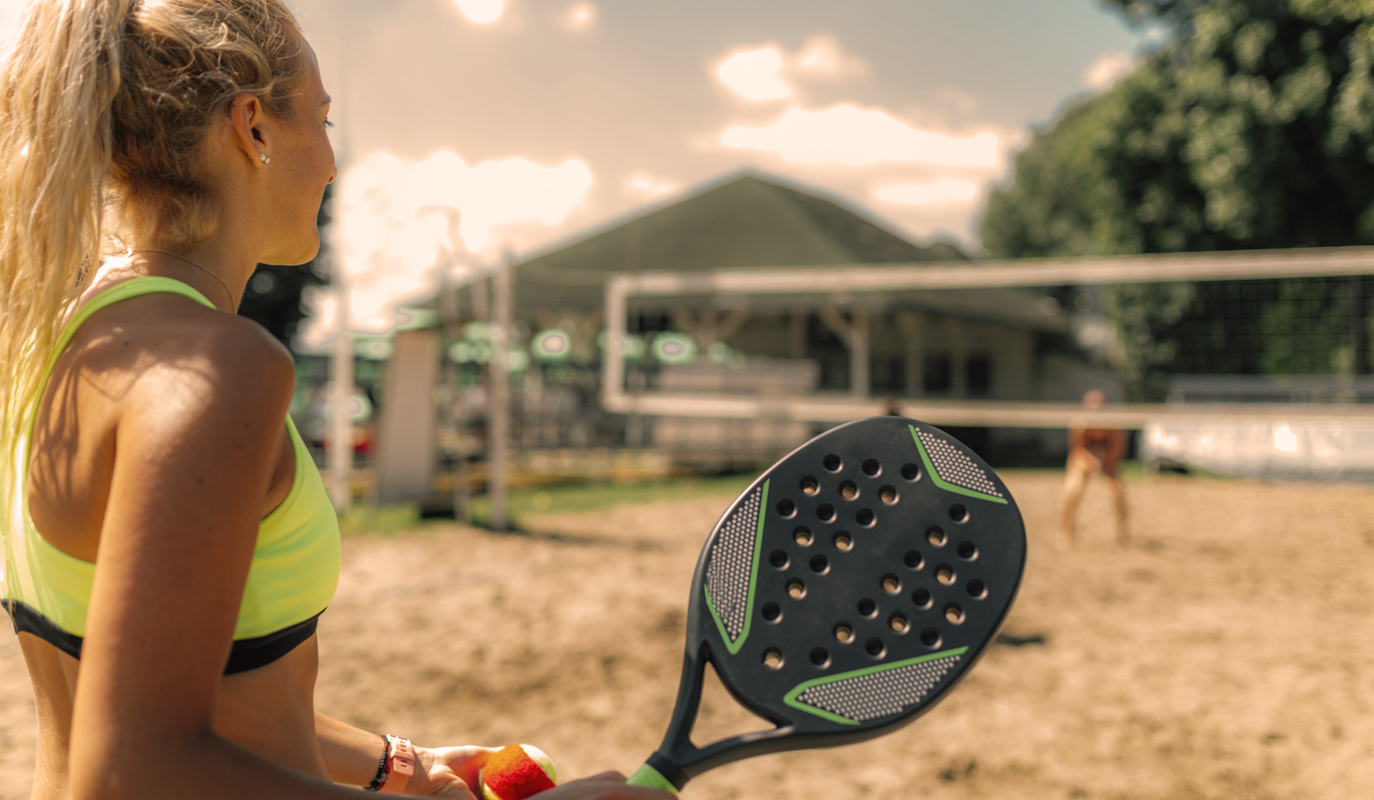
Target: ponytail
57,86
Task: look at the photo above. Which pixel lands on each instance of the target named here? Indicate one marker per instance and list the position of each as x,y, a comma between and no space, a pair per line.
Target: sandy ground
1229,653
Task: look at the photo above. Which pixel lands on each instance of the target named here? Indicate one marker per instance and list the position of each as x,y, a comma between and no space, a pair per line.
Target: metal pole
452,389
340,451
499,392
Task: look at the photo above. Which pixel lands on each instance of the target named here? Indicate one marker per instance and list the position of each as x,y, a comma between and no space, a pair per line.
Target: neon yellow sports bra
295,568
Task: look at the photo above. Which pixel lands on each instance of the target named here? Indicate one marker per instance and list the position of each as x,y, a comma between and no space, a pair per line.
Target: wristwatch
396,767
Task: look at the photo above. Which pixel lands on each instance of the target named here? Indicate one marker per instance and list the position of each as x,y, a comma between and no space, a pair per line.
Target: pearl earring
264,159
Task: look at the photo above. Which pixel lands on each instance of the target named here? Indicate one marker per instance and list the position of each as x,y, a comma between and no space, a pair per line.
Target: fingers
604,786
459,790
609,775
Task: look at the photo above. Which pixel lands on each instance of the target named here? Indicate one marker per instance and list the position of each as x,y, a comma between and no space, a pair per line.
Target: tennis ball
517,771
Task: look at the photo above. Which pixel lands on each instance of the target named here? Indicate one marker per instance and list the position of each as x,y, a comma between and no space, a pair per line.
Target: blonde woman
168,544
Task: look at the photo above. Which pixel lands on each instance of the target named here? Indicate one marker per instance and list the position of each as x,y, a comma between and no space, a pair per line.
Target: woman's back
163,351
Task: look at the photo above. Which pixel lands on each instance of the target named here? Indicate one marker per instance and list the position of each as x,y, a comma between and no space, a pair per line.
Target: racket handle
649,777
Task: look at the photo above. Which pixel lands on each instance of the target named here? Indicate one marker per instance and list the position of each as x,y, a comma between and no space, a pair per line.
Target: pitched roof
747,221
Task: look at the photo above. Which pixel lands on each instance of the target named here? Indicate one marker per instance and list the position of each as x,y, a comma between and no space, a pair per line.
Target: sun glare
482,12
581,16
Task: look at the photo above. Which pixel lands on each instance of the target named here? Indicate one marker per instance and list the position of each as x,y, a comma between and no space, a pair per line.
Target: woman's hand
449,771
606,786
456,772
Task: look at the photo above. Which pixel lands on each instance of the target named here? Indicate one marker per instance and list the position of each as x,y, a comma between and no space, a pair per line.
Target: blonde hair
104,107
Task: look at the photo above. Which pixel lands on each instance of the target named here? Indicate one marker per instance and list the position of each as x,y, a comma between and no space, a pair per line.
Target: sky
536,119
465,128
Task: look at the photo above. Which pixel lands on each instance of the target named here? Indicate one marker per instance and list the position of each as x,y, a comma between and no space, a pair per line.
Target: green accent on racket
651,778
734,645
941,482
792,697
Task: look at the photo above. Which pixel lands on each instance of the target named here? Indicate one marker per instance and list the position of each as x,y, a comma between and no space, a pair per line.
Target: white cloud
754,74
642,186
945,191
858,137
481,11
1107,69
395,217
580,17
822,56
760,72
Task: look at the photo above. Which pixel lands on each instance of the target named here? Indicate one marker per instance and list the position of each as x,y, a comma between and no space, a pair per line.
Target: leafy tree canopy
1253,128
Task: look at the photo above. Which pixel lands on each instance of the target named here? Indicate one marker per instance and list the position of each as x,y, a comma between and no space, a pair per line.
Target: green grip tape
651,778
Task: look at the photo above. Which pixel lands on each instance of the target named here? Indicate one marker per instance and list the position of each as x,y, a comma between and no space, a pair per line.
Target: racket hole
968,550
954,614
772,658
958,513
930,637
802,536
772,612
913,560
898,623
848,490
888,495
977,589
820,657
868,608
844,634
843,542
871,468
891,585
819,564
832,463
921,597
875,647
945,575
779,559
911,472
810,485
787,509
865,517
936,537
826,513
796,590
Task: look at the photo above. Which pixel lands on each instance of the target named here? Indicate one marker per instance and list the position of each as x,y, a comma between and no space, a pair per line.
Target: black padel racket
845,592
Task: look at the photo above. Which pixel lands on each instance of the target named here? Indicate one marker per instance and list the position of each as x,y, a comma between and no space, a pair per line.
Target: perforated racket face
856,581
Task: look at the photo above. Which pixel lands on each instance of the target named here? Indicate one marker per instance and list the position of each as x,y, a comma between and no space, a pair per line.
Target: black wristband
382,772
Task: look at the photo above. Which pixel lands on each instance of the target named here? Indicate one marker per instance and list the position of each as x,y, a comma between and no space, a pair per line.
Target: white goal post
845,282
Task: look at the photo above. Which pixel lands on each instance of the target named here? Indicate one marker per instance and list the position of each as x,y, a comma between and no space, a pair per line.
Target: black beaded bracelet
382,772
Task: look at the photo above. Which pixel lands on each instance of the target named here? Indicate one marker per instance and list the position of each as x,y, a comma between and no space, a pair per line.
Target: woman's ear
248,128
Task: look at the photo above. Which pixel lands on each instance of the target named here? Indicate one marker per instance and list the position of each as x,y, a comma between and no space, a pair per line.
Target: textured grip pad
861,695
733,564
953,467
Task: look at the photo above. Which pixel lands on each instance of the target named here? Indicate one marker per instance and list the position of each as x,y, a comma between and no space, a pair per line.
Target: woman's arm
197,435
352,756
195,445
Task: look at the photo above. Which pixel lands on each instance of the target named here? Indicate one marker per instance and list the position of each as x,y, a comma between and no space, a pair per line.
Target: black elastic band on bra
27,620
249,654
245,654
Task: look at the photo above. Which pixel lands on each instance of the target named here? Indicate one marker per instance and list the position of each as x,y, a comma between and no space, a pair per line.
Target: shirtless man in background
1093,450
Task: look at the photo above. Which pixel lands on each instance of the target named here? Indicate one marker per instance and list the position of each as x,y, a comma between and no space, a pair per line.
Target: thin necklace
227,290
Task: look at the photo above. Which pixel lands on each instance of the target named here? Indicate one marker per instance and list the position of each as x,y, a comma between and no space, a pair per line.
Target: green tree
1252,128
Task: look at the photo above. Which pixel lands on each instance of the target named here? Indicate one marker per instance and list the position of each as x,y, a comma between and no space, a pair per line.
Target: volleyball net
1269,345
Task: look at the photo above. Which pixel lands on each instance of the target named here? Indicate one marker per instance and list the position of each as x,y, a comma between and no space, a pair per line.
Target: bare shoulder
184,361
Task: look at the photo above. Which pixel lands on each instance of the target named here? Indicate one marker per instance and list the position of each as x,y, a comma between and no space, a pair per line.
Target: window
937,374
978,374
